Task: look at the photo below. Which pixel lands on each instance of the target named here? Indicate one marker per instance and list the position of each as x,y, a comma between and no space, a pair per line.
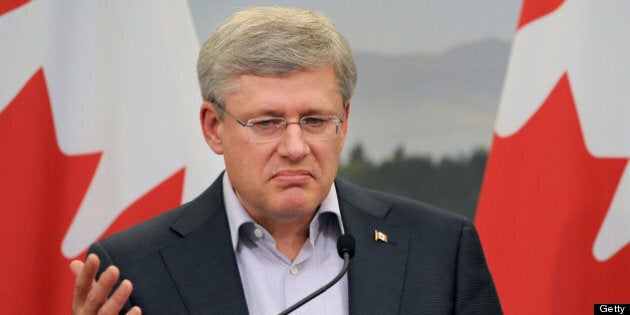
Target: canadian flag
554,211
99,130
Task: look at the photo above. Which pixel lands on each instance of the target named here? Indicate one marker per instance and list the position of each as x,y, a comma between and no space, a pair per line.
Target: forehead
306,87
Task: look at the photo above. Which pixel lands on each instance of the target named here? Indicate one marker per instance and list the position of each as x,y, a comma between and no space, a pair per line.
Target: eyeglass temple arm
222,108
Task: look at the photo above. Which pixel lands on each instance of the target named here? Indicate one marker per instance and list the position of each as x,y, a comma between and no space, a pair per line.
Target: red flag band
97,108
555,200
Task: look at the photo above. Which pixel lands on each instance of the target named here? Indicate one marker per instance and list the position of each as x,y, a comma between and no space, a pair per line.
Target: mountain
431,104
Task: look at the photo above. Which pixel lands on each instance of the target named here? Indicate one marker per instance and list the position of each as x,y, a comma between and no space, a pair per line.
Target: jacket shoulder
169,226
398,210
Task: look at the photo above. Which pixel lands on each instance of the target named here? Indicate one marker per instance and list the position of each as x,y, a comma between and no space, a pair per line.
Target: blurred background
90,148
430,79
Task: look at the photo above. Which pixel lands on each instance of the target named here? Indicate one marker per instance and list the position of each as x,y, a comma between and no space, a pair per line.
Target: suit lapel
204,269
376,273
202,263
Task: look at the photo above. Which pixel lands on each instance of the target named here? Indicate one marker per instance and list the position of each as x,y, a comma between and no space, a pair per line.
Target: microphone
345,248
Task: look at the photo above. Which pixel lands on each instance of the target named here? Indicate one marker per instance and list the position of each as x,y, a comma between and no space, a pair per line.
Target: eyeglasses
268,129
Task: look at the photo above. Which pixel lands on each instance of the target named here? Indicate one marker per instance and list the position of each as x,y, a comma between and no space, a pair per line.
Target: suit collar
202,262
376,273
375,276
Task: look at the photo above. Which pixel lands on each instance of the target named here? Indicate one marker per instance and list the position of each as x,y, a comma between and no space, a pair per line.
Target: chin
298,203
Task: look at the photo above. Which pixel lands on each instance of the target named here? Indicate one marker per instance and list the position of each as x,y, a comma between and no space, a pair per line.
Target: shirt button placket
293,286
258,232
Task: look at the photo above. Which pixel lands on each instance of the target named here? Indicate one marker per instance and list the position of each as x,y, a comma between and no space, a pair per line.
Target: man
277,84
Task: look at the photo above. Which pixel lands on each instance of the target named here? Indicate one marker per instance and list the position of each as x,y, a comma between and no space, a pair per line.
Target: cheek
328,157
247,159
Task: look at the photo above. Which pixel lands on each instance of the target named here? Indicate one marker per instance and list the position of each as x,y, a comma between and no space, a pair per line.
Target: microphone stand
346,262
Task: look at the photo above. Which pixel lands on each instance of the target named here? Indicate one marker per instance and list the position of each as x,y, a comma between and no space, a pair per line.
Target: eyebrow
270,112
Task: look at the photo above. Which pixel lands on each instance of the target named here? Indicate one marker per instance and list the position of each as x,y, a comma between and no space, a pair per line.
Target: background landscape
430,79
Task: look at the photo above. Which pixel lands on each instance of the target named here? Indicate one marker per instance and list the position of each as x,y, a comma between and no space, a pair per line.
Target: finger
84,277
100,290
79,296
117,300
75,267
135,311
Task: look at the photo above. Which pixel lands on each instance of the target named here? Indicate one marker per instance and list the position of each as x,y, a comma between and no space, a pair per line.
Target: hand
91,296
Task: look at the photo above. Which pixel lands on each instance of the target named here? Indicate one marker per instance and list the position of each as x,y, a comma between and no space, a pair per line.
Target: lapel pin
380,236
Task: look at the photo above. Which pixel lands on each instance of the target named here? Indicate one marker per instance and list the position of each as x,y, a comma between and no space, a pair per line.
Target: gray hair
270,41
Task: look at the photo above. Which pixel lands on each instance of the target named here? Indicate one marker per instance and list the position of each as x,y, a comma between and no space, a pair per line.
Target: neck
290,235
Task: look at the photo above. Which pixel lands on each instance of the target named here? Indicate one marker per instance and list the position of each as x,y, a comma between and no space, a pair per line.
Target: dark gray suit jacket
182,261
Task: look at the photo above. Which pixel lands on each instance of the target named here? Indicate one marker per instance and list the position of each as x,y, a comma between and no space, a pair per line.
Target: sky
394,28
390,27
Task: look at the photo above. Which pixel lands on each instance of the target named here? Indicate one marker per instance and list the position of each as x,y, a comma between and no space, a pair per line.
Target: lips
293,176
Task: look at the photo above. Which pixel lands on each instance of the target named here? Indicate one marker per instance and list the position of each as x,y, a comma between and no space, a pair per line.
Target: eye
266,123
313,121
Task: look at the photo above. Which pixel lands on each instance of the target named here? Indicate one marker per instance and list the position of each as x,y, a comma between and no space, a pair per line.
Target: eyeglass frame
248,124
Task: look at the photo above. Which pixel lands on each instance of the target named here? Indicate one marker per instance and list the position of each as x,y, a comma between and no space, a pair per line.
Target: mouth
292,177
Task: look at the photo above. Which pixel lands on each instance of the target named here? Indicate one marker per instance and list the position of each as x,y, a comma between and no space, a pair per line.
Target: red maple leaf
41,189
535,9
542,203
9,5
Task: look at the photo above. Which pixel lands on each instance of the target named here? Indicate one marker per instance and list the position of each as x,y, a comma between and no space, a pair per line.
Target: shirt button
258,233
294,270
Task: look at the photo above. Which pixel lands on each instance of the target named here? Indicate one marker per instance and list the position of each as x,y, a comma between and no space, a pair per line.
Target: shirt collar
237,216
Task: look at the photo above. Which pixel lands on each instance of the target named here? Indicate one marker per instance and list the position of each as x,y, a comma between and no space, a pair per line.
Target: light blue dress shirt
271,281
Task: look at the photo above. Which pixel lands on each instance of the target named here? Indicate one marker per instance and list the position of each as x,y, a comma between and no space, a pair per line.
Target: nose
292,144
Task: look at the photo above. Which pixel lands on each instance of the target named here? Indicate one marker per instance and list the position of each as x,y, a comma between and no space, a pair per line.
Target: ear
211,126
344,126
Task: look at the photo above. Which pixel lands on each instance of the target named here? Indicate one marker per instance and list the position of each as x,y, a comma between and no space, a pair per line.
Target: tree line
450,183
